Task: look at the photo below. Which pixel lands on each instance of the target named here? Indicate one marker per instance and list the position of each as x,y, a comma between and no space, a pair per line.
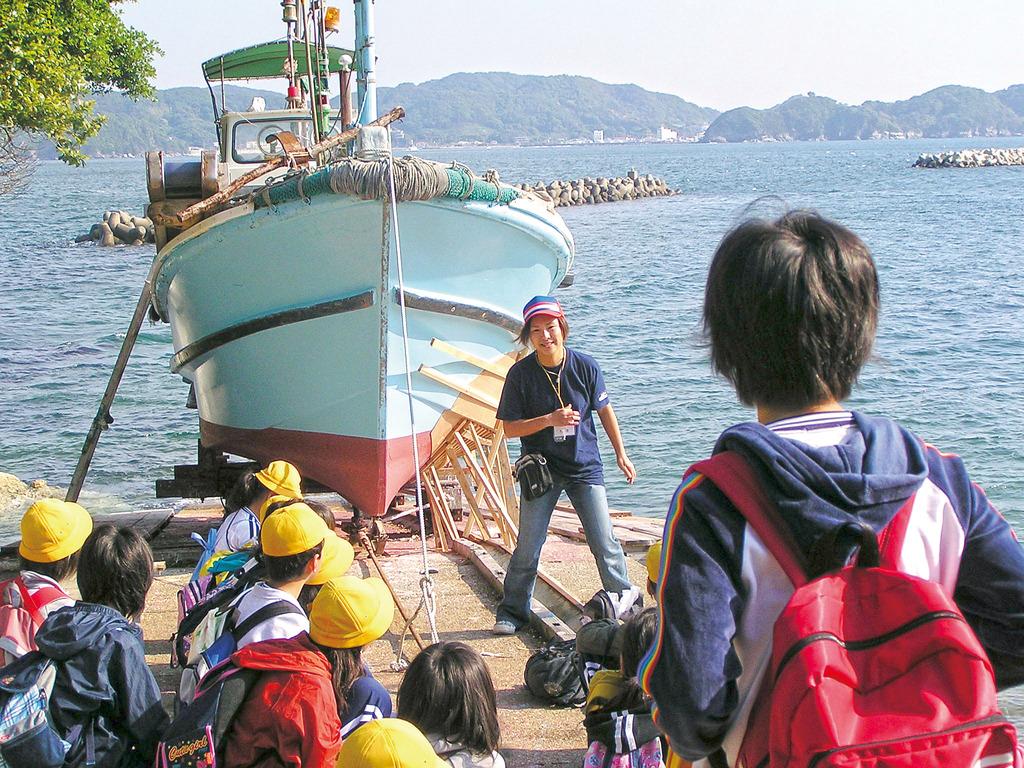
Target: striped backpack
870,667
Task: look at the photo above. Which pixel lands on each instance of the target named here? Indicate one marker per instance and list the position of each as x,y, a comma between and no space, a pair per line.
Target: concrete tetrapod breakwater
971,158
120,228
587,190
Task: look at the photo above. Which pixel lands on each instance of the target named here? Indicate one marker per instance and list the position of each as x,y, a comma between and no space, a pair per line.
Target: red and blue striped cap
542,305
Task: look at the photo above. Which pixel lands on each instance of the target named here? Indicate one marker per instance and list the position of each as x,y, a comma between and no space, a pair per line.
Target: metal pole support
103,418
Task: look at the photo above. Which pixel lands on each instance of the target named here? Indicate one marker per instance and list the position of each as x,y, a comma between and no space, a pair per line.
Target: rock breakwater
589,191
14,492
971,158
120,228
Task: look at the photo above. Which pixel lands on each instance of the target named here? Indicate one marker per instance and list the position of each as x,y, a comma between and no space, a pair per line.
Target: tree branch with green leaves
55,55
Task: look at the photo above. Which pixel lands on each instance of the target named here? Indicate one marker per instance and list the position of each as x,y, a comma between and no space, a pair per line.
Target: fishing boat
330,304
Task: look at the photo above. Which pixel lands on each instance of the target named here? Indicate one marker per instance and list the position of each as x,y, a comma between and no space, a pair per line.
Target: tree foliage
54,56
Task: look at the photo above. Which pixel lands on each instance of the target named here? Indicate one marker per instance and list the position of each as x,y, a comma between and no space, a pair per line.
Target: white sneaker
503,628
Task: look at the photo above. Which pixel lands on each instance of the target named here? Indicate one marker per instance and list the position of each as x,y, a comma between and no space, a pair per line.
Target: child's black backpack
196,734
552,674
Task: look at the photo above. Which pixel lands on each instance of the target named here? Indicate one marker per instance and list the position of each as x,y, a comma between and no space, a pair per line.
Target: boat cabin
248,139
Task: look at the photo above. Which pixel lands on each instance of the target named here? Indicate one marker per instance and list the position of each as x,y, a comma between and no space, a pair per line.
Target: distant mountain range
945,112
497,107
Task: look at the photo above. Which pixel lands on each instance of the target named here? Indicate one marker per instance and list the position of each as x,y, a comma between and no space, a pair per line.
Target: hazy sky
717,53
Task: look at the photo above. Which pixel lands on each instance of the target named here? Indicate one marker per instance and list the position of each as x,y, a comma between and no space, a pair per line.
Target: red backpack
870,667
22,616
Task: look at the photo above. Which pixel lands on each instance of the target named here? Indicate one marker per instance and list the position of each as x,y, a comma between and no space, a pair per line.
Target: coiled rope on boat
412,178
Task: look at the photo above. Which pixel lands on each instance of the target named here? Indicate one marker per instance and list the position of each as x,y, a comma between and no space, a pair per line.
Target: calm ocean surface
949,354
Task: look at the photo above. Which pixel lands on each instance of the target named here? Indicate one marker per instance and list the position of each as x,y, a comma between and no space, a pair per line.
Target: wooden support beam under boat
464,389
498,369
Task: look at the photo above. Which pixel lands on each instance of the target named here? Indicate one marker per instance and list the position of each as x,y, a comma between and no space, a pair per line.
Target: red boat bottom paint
368,473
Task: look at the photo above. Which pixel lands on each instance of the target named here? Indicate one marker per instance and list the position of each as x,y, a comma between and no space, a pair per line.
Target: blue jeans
591,504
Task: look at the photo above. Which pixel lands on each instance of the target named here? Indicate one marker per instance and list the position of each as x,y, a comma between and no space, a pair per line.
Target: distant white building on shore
599,137
667,134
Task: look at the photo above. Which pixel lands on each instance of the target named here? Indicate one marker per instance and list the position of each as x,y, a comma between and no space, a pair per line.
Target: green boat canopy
267,60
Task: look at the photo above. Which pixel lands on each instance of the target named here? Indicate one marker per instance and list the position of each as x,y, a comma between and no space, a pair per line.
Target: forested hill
945,112
497,106
484,107
527,109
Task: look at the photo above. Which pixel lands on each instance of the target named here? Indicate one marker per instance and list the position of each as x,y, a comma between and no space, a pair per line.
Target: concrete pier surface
532,734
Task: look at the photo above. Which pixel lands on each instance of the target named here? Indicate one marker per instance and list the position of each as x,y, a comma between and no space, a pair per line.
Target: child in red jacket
290,716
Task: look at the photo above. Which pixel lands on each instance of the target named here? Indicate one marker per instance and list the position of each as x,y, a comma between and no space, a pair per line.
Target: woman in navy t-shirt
548,402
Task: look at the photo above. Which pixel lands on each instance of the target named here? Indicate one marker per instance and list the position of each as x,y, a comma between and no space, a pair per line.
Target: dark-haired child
292,540
245,503
790,309
105,699
447,692
617,716
336,558
52,535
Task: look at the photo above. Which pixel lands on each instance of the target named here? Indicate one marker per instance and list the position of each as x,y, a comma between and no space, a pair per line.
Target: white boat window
252,140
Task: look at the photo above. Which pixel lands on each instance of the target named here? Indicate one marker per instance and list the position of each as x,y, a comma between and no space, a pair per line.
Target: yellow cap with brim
653,561
388,743
281,477
336,559
261,513
292,530
52,530
350,612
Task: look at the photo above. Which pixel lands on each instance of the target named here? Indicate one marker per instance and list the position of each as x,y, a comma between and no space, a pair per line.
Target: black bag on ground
552,674
531,470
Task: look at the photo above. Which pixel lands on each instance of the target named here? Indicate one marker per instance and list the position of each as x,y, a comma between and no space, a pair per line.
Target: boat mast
366,91
289,17
304,14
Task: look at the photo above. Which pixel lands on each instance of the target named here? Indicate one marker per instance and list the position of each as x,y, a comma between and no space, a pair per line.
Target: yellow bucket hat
292,530
653,561
350,612
52,529
282,478
261,513
388,743
337,558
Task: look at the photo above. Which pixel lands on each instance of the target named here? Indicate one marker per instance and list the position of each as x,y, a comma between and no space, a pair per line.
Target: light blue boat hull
287,322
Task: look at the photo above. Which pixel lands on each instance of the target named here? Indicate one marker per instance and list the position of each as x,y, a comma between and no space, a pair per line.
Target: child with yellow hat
52,535
296,709
599,640
245,505
292,541
347,615
391,743
338,556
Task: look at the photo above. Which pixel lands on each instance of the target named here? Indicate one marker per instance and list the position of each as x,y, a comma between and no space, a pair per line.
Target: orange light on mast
332,19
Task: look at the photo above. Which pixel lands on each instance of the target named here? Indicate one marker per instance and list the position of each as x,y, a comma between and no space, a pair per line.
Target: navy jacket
102,673
721,591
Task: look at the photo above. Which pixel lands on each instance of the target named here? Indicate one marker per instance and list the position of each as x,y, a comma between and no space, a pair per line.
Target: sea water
948,361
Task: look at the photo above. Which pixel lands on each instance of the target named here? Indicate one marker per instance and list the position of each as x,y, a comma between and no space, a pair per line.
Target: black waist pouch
534,477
